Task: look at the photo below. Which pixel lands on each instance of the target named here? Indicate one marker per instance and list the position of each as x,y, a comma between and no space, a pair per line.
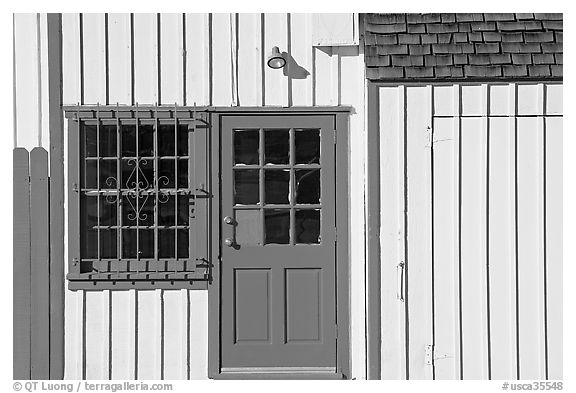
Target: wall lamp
275,59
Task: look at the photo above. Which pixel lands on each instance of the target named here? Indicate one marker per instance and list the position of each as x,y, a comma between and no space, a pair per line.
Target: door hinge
430,355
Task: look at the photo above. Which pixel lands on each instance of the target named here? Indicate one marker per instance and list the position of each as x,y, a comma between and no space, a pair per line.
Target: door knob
229,242
229,220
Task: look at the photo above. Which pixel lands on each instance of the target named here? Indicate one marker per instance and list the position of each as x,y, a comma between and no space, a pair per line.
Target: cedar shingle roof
463,46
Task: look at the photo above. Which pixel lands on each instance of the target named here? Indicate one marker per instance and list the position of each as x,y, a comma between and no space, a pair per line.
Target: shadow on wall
293,69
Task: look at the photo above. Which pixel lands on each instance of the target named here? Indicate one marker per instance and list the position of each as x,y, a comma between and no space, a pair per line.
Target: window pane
246,187
129,210
276,146
166,243
277,226
129,173
308,186
108,210
277,186
107,141
307,146
246,147
90,141
146,204
146,140
129,243
183,173
128,133
108,246
89,219
166,174
183,208
166,211
166,140
182,243
90,174
307,226
108,174
183,139
146,243
146,174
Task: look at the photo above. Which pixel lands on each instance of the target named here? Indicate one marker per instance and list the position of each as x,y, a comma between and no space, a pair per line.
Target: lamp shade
275,59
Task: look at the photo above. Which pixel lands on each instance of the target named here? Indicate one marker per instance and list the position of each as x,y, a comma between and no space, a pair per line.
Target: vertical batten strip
171,58
553,225
198,334
221,60
391,131
275,34
473,247
149,334
97,328
530,248
39,78
198,42
501,232
418,263
444,210
122,334
249,60
26,80
119,59
145,62
94,58
21,265
174,325
301,52
234,57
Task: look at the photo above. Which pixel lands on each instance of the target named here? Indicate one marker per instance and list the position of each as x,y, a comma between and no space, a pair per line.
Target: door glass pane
276,146
107,141
246,147
277,186
308,186
307,146
277,226
246,187
307,226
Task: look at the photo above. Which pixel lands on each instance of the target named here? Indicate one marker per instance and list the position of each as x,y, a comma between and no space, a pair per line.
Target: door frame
341,126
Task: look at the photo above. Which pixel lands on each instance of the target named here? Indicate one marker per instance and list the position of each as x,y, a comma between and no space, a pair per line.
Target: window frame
140,273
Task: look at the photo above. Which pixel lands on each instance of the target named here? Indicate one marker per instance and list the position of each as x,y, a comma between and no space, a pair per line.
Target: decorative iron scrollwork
138,189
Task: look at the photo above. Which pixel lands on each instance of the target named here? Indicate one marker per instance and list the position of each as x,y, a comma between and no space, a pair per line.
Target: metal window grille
140,197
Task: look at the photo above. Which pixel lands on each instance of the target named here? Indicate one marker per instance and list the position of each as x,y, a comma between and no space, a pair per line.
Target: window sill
98,285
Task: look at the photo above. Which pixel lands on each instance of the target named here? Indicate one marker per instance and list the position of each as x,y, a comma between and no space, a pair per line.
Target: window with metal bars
139,199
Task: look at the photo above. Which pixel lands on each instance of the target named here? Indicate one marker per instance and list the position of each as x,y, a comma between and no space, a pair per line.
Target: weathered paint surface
477,219
187,59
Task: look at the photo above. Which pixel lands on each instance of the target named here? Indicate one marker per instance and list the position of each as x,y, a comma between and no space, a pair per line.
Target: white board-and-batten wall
471,203
186,59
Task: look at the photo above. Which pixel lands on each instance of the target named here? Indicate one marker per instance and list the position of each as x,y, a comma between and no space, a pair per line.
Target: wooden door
278,265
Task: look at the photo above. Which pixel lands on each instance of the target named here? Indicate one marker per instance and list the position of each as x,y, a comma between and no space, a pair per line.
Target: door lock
229,242
229,220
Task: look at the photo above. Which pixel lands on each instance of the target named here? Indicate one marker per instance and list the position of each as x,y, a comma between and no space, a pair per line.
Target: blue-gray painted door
278,266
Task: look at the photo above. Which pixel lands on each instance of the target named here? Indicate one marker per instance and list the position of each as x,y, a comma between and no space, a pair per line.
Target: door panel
278,288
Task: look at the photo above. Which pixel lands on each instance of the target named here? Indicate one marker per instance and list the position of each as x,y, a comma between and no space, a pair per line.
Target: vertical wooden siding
483,237
202,59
